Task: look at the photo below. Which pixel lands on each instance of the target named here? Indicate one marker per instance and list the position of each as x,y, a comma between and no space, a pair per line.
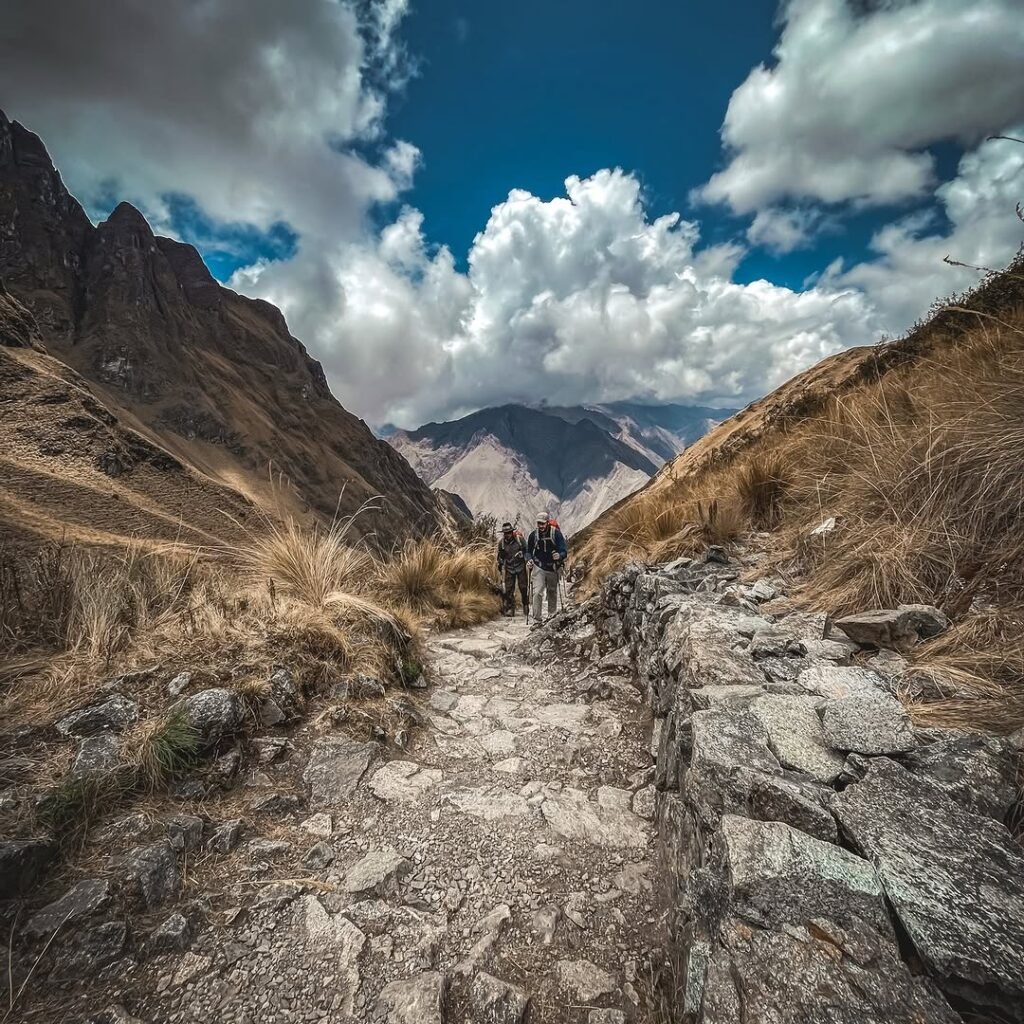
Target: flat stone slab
795,735
497,1002
81,900
336,935
778,875
336,765
818,973
607,822
838,681
584,981
490,803
404,782
955,880
417,1000
377,873
868,723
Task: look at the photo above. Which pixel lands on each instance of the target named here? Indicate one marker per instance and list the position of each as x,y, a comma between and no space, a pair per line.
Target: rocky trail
689,789
499,865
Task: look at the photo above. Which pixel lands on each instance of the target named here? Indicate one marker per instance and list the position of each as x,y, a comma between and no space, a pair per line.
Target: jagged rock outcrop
212,377
828,861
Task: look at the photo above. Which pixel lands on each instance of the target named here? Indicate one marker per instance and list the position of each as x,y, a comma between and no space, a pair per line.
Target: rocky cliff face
826,860
210,375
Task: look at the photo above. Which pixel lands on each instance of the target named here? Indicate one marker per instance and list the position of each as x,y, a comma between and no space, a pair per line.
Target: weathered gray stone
179,684
336,764
979,772
497,1002
337,937
777,875
894,627
795,735
174,935
417,1000
836,682
93,950
214,714
955,880
269,748
403,781
868,723
96,755
22,861
184,831
816,974
645,802
707,652
379,872
224,837
584,981
81,900
116,714
606,1017
318,857
607,822
151,873
732,771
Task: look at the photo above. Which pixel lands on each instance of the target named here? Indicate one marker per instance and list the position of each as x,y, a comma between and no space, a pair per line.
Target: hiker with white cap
547,551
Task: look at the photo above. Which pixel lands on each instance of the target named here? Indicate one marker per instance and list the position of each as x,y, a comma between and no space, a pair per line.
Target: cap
542,517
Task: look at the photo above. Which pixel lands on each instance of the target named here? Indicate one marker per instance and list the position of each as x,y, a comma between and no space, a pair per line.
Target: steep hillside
509,460
210,377
882,476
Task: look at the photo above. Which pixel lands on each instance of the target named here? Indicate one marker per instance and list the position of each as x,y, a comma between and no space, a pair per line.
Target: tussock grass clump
312,564
160,750
761,485
448,586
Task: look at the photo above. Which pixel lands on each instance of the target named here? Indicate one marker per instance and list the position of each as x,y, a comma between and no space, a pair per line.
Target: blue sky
459,205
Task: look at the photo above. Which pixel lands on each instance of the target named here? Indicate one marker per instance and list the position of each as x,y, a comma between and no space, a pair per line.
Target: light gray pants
544,581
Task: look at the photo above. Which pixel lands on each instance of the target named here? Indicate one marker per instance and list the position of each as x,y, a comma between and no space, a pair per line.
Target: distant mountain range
576,461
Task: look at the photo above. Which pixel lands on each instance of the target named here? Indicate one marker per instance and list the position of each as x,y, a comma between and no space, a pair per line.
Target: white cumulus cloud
857,92
578,298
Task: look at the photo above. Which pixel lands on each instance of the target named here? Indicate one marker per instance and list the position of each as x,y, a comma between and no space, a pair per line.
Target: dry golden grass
449,586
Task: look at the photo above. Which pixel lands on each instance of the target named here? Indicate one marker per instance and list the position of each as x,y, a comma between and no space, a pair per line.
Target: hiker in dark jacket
512,565
546,551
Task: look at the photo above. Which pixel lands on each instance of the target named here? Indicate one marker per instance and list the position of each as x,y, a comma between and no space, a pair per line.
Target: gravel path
498,869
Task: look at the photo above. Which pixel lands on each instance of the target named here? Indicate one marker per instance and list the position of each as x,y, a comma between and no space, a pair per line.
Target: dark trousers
511,577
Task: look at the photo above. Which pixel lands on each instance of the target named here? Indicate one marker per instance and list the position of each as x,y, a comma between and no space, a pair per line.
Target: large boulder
817,973
215,714
732,771
776,875
417,1000
979,772
955,881
150,873
115,714
894,628
79,901
795,735
497,1002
